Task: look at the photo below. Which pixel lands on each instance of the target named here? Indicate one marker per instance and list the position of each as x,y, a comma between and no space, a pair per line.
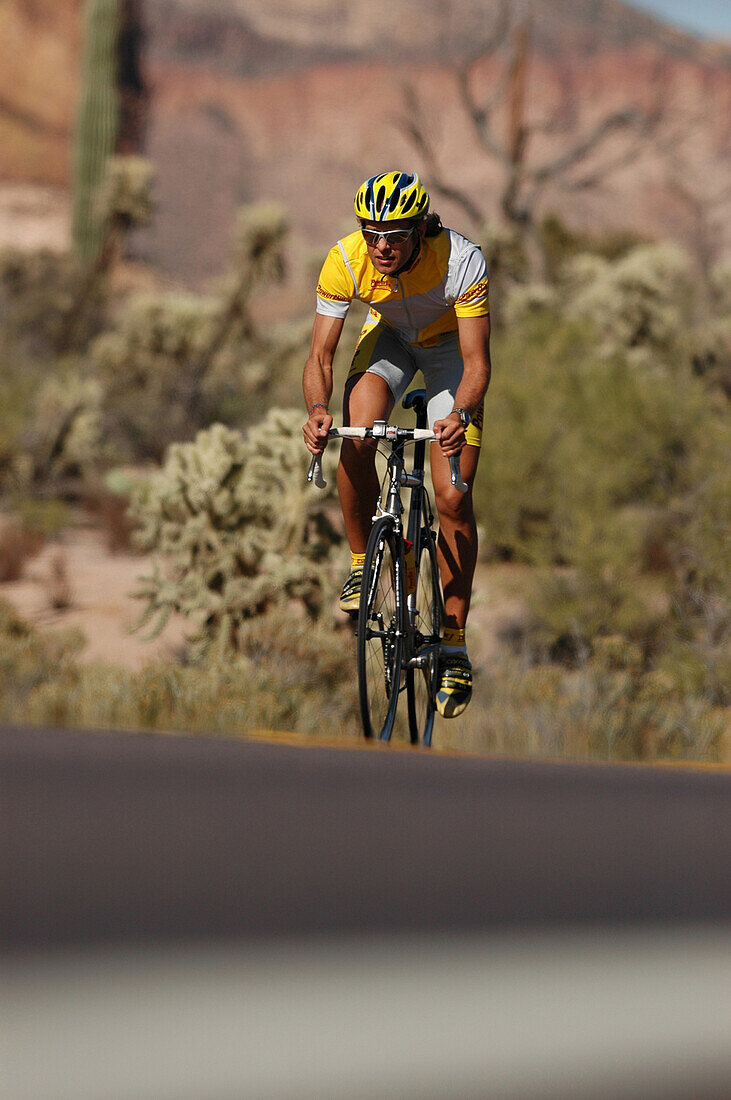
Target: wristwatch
463,415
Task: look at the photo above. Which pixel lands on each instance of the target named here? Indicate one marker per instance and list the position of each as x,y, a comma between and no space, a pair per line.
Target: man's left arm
474,339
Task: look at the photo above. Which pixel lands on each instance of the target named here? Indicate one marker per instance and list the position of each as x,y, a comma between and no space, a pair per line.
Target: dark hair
433,225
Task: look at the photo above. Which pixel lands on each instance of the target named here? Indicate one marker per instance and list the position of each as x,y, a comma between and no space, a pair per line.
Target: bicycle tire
380,630
421,683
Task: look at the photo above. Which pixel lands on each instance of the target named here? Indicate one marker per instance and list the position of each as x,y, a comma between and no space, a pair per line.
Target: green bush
574,441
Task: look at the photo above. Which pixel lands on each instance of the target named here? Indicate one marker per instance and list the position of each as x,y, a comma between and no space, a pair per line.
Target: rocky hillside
298,100
245,35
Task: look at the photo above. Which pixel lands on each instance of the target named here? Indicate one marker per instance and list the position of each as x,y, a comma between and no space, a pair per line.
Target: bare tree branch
479,115
620,120
613,142
602,171
414,126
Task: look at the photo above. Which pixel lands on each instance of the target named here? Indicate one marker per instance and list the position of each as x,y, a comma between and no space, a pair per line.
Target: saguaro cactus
97,121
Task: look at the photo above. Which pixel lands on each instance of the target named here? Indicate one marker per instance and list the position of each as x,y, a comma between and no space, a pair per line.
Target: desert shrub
523,301
611,475
30,659
236,530
608,709
572,438
149,365
640,302
507,264
562,244
37,292
176,361
710,352
19,382
294,674
63,444
124,198
275,682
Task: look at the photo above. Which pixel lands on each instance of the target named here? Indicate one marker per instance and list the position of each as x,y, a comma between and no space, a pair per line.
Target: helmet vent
390,196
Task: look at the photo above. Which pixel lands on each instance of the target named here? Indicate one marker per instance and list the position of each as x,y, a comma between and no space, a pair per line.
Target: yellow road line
309,741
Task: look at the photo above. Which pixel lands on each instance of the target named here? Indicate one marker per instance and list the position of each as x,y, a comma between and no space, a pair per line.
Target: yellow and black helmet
391,197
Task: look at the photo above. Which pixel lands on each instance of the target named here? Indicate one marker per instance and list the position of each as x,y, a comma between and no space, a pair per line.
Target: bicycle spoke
380,634
421,682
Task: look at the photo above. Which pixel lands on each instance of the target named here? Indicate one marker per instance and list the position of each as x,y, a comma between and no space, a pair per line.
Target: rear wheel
421,681
380,631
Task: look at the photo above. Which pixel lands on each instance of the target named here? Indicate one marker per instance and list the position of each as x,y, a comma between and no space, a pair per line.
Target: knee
357,454
454,507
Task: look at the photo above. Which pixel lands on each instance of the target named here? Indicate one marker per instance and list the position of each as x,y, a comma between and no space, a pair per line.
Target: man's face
387,252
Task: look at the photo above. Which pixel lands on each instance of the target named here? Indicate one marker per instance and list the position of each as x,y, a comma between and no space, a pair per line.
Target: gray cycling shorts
380,351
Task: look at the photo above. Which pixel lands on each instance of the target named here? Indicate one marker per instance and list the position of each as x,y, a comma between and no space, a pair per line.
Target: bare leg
368,399
457,542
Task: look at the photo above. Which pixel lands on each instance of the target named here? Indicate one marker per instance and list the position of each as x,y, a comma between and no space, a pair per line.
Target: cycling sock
453,639
356,560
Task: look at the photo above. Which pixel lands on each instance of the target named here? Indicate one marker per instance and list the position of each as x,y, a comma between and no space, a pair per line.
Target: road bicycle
401,608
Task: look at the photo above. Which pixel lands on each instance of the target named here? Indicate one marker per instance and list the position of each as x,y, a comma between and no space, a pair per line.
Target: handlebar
391,433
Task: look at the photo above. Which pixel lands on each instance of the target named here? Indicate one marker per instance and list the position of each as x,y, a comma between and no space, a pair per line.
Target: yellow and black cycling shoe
350,595
455,684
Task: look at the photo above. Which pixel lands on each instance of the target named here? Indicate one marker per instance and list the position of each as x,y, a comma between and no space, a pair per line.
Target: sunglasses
391,236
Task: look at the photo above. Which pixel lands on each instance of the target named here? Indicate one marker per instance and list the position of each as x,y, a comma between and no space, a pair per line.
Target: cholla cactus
177,362
261,230
236,530
640,301
124,199
721,288
710,348
66,440
525,301
148,368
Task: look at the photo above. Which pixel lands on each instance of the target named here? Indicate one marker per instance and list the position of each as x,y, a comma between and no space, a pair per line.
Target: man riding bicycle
427,287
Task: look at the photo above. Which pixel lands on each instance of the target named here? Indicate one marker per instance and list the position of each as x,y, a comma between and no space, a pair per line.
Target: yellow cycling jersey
447,279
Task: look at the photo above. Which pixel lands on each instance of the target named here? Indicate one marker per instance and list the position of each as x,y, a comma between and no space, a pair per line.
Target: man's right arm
317,380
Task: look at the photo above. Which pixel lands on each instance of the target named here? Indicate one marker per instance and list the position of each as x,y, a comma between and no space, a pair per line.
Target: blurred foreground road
111,838
191,919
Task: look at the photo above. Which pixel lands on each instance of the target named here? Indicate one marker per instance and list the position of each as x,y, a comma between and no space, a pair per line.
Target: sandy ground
33,217
97,588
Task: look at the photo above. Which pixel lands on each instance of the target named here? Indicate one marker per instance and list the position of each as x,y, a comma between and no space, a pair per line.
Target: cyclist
427,288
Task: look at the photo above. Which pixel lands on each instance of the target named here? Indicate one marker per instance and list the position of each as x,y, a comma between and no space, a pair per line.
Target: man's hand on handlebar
316,429
450,434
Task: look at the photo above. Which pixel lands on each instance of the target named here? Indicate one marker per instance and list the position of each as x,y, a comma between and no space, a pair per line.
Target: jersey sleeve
335,288
471,285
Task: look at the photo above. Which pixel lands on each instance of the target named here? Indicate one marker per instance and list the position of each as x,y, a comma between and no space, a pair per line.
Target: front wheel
380,630
421,677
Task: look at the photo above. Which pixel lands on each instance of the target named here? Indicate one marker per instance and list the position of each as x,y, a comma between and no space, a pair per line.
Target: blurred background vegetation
172,415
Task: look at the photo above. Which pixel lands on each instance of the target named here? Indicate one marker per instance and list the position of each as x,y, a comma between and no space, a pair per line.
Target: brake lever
315,474
456,474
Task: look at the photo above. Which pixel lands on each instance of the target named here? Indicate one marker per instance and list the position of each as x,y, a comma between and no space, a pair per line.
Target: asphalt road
112,839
